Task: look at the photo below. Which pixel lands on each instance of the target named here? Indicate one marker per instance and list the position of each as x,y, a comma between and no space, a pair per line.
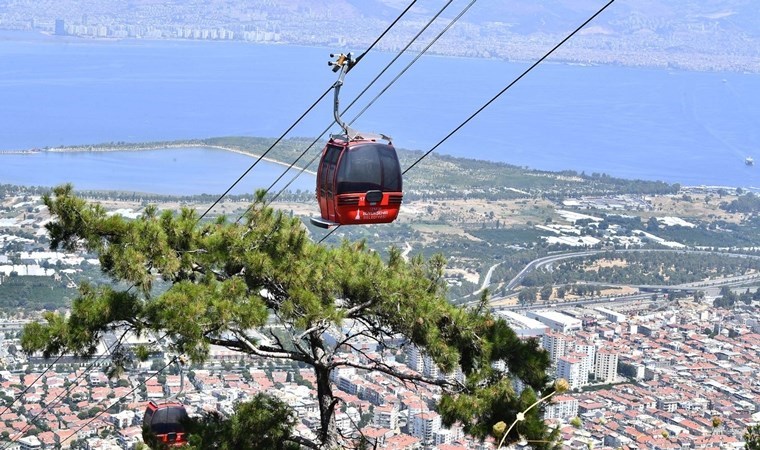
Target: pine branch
388,370
356,310
296,342
246,346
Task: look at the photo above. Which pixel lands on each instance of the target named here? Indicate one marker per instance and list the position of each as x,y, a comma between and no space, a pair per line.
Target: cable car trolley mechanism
359,176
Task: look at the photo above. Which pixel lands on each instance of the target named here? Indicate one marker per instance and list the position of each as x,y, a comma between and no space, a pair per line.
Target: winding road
548,260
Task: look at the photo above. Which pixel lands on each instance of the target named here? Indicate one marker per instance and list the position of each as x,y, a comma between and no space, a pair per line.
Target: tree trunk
328,433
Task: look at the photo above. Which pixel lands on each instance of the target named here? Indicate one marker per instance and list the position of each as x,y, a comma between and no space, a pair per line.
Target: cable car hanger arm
344,63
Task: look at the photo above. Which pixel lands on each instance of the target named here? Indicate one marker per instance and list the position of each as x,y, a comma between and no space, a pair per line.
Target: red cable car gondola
359,176
166,422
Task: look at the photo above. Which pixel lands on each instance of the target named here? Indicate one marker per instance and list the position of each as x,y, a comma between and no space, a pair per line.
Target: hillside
711,35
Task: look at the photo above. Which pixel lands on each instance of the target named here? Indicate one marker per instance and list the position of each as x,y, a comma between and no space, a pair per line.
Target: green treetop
752,437
227,280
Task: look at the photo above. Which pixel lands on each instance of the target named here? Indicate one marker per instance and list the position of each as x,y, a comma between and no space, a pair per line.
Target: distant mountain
708,27
660,16
692,34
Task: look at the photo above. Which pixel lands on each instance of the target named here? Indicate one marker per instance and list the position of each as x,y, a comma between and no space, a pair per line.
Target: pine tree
227,280
752,437
262,422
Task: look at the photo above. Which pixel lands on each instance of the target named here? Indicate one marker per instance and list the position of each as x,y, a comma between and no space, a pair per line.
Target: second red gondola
166,422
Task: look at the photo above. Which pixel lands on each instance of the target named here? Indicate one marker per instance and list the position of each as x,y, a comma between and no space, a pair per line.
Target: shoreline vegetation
482,214
444,177
138,147
464,177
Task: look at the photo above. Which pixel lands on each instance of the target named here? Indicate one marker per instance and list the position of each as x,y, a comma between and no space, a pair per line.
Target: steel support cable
494,98
57,400
264,154
308,110
328,234
419,55
118,400
387,29
21,394
366,88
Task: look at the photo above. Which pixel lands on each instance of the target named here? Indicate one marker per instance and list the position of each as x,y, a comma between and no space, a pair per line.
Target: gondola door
326,182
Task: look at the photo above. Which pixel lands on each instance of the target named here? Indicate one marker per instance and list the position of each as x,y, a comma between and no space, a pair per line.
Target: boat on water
749,161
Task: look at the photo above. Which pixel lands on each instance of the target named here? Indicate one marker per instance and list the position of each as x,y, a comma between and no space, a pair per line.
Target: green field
34,293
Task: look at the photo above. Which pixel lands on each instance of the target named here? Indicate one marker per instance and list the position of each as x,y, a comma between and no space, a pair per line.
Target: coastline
143,148
197,144
663,60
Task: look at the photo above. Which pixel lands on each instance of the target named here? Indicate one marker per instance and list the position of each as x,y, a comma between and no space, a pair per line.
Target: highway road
551,259
546,260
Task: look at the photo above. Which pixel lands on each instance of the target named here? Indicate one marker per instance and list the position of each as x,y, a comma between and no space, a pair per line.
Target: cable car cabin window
391,171
362,167
328,169
147,417
168,420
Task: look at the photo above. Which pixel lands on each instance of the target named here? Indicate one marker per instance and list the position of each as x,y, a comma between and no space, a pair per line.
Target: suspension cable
21,394
59,398
282,136
366,88
387,29
308,110
328,234
495,97
118,400
422,52
419,55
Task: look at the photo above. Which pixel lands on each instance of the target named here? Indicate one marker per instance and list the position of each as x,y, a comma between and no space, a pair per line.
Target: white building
448,435
29,443
605,368
586,363
414,359
385,416
612,316
429,368
556,320
349,384
424,426
562,407
590,351
556,345
422,363
570,369
524,326
123,419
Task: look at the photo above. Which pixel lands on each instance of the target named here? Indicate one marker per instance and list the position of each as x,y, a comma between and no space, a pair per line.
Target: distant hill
689,34
558,16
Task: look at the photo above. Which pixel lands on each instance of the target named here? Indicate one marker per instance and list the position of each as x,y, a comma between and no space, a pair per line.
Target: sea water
658,124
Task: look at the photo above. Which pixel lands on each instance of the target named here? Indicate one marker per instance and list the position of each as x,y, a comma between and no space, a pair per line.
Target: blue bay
175,171
686,127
